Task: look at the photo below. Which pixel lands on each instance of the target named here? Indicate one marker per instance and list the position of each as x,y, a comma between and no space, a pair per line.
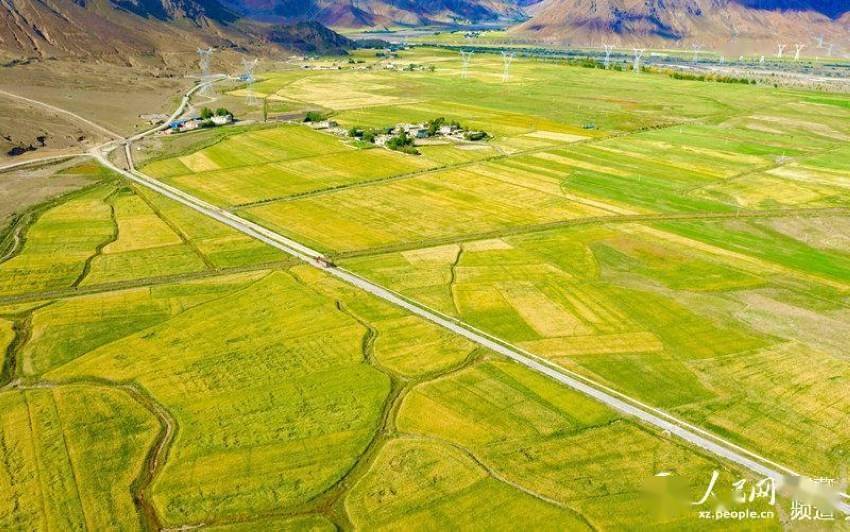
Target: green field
70,455
286,393
707,240
682,242
113,234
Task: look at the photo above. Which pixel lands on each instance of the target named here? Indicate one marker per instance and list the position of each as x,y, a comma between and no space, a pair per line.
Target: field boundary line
144,282
698,437
175,229
616,400
98,250
592,220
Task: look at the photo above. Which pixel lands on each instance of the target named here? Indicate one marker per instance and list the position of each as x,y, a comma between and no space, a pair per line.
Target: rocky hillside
165,33
744,25
310,37
124,31
377,13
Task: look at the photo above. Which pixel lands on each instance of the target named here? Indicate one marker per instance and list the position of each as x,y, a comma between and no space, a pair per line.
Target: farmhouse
324,124
154,118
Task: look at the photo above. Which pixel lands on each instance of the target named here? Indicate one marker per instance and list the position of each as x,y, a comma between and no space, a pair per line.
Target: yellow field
446,203
421,484
58,244
145,246
681,242
69,457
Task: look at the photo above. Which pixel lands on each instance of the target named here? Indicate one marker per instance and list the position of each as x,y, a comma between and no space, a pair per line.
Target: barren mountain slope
369,13
716,23
121,31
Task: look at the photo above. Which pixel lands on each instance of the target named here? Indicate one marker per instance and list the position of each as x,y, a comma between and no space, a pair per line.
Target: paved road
630,407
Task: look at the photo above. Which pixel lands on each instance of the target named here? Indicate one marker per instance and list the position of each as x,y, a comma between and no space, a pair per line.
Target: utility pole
696,47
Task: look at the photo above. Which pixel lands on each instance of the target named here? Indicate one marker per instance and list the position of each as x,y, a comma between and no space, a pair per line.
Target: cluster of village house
414,131
189,123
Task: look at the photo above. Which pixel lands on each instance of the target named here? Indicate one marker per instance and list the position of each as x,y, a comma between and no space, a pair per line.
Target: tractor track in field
593,220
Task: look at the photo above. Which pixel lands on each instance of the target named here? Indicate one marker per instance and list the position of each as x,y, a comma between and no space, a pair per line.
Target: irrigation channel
711,443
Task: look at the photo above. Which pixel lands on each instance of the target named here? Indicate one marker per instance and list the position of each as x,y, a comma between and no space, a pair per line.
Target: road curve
626,405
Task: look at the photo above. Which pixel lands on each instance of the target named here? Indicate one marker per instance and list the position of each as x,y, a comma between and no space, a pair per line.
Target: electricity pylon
466,56
608,49
508,57
204,63
799,48
697,47
248,76
638,54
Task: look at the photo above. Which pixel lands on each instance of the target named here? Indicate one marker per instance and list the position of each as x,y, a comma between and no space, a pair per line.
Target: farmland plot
221,245
494,441
145,246
257,183
444,203
235,417
59,244
660,314
63,330
598,231
69,457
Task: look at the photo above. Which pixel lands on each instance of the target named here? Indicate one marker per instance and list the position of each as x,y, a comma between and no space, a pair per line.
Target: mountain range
158,31
741,24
